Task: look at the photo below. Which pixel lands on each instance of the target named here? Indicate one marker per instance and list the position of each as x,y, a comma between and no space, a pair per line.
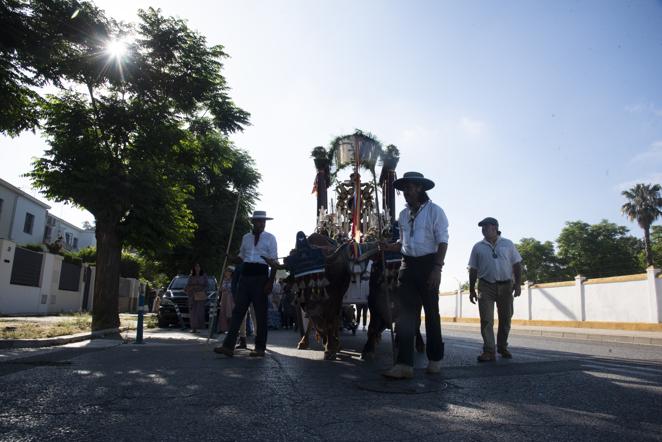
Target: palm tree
644,204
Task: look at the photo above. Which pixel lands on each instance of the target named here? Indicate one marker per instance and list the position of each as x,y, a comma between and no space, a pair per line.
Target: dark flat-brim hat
413,177
260,215
488,220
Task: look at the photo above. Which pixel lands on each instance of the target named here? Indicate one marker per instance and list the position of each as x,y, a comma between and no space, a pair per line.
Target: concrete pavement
175,388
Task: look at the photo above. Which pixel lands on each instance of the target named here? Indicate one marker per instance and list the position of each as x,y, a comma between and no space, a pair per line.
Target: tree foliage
656,248
598,250
42,42
540,261
644,205
133,139
221,167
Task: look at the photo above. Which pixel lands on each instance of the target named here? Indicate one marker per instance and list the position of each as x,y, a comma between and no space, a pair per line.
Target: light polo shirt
266,246
491,268
428,230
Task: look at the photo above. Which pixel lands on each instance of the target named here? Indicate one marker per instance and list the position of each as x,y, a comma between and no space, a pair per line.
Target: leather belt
506,281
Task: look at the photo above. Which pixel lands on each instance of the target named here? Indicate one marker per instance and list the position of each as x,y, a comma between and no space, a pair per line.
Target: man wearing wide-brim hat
423,242
496,264
255,284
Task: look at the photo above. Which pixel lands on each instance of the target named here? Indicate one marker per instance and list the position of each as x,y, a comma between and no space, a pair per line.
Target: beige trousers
488,295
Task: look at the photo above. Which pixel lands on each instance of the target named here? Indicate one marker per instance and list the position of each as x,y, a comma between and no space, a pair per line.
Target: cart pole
383,263
213,320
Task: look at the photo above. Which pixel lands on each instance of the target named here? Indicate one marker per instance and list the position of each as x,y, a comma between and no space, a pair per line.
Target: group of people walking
494,278
494,263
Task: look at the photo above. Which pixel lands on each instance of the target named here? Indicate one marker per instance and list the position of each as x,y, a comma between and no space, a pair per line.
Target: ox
322,300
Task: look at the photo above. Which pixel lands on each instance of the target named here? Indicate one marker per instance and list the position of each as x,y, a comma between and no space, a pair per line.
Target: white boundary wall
48,298
632,298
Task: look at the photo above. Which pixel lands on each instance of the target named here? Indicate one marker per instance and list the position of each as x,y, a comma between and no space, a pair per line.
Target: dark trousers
250,290
413,293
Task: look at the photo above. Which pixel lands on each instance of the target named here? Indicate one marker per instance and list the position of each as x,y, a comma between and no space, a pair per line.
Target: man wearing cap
255,284
423,242
496,264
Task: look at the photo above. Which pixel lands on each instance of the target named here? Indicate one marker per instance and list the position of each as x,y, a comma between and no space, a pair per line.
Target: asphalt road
175,388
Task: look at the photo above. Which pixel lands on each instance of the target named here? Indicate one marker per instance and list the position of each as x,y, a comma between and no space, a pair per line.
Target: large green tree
121,141
603,249
540,263
644,205
221,170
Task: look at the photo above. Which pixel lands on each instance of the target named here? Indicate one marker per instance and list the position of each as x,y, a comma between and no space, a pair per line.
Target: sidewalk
589,334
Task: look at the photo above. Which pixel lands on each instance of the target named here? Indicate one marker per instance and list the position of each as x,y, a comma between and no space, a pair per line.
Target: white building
73,238
25,220
22,217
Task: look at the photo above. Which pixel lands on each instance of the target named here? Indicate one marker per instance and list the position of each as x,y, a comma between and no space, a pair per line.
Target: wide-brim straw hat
260,214
413,177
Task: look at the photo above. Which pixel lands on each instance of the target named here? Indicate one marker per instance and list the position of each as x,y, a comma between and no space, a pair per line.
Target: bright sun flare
116,48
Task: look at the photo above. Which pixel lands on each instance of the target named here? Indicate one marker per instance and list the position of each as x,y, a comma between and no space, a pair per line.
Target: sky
535,113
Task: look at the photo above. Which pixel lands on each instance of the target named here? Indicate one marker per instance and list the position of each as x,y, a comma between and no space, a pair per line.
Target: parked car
174,303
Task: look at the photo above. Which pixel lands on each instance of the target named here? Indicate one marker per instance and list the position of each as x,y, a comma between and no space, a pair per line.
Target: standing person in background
196,290
423,243
255,284
227,301
274,319
287,309
496,263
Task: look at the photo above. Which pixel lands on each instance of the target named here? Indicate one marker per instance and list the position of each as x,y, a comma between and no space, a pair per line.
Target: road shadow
174,389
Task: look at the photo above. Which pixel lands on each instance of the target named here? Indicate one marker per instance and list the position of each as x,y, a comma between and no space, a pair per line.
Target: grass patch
44,329
151,321
62,325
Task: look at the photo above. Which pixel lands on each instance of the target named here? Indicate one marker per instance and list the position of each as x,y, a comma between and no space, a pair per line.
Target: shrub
130,266
88,254
72,258
33,247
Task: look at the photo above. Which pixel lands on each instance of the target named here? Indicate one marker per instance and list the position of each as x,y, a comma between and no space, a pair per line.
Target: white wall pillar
46,282
581,293
654,298
529,299
458,303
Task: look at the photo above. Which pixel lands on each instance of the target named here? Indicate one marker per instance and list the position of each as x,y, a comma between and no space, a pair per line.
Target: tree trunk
647,245
105,312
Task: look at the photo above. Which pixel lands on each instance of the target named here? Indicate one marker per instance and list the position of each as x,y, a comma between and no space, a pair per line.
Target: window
75,243
1,201
29,223
67,238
